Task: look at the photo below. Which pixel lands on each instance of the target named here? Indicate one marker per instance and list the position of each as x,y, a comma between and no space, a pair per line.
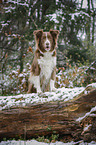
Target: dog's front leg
52,80
35,80
52,86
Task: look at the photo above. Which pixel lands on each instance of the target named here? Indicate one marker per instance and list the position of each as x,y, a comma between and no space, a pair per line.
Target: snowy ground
34,142
62,94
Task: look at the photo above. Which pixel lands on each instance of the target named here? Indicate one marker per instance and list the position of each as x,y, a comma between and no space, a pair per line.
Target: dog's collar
43,52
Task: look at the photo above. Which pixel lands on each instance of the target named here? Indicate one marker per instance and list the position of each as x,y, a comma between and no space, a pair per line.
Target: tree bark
53,117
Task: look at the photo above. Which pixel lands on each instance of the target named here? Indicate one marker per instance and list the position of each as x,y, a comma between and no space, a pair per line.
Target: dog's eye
44,37
49,37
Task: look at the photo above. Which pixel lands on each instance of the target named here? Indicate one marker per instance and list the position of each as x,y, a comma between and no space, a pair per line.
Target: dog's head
46,41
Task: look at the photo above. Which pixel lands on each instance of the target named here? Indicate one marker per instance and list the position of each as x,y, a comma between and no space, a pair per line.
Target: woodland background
76,52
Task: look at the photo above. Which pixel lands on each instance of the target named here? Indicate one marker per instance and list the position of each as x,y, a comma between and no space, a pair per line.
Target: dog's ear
54,33
38,33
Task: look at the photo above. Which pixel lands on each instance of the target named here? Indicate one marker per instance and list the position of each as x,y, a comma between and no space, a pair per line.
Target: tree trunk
72,120
21,55
93,23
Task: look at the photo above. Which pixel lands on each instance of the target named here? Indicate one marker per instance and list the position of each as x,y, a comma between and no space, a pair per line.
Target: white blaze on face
47,43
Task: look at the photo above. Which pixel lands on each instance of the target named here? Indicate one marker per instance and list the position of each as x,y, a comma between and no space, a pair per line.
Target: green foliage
49,128
4,139
48,139
55,137
77,54
41,139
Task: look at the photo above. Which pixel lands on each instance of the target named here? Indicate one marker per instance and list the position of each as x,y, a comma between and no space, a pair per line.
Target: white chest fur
47,64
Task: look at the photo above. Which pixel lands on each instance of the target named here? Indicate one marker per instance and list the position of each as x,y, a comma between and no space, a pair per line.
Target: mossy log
63,118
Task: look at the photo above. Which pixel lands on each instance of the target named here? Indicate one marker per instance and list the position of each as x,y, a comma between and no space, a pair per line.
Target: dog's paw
28,92
39,92
54,89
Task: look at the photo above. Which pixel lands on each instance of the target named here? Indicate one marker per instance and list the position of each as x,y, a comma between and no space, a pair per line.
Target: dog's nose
47,43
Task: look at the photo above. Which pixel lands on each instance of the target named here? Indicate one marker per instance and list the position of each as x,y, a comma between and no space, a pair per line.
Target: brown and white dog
43,69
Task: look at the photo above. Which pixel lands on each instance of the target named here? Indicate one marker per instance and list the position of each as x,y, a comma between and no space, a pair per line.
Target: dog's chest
47,64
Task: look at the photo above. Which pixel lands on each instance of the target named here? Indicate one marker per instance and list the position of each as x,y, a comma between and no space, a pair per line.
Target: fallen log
74,119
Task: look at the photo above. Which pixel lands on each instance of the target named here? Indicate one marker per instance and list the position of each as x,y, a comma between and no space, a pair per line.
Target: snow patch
87,127
61,94
34,142
87,114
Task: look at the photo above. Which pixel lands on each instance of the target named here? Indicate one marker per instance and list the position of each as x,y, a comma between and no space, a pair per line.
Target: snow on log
71,113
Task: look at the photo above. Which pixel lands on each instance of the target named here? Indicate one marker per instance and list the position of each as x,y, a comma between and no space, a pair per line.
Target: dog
43,69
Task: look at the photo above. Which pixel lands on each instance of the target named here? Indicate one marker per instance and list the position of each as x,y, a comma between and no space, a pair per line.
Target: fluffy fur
43,69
